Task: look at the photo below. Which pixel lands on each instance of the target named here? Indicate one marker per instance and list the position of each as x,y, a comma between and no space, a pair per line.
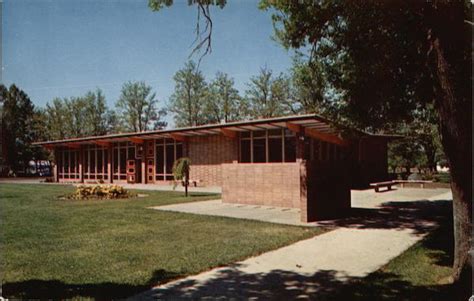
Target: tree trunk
186,184
456,128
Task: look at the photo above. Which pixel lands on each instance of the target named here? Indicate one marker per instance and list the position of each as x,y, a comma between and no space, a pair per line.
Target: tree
55,115
424,128
187,101
181,168
40,133
268,95
97,113
76,116
390,58
86,115
223,102
393,58
138,108
17,121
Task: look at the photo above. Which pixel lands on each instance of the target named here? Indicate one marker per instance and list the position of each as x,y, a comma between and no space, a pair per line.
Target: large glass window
123,160
259,150
100,164
116,161
170,157
68,163
245,151
95,162
179,150
167,151
290,149
122,152
273,145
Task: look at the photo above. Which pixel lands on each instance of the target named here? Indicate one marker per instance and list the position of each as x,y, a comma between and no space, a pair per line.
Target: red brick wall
326,190
269,184
207,153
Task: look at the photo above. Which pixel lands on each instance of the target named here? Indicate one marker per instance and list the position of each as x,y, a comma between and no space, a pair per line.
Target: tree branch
201,41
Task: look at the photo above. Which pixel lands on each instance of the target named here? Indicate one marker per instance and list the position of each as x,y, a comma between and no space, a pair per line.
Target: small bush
442,177
415,177
99,192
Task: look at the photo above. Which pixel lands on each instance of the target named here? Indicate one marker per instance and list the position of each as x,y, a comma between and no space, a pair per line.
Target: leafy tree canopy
137,107
188,99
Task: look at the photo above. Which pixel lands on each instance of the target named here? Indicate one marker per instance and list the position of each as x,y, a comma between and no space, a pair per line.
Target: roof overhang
310,124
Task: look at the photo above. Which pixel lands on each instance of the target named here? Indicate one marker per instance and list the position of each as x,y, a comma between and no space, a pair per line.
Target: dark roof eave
202,127
184,129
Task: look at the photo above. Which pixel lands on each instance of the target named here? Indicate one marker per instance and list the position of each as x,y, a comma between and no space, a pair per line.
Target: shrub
443,177
415,177
99,192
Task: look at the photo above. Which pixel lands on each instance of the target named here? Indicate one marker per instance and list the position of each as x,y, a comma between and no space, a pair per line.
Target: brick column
304,206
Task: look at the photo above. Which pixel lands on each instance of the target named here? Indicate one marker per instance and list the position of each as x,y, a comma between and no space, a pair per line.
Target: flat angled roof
313,122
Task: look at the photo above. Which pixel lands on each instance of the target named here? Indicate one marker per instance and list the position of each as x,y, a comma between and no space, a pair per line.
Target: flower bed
84,192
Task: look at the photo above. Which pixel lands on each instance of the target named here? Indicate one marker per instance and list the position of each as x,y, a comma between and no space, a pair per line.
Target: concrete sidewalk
287,216
367,199
342,254
357,248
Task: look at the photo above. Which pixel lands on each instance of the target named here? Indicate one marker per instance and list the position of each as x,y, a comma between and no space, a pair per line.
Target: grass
59,248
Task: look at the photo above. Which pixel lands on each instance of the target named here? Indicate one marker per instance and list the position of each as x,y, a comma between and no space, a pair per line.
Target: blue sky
65,48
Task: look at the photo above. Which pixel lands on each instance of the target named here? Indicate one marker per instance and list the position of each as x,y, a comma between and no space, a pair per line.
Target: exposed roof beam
293,127
102,143
178,137
73,145
325,137
136,140
228,133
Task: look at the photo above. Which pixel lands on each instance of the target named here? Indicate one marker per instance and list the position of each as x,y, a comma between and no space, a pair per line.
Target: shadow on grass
231,283
54,289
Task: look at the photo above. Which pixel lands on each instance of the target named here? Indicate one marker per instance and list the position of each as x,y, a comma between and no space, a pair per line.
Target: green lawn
61,248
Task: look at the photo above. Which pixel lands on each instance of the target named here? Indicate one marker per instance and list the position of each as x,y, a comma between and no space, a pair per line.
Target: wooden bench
387,184
421,182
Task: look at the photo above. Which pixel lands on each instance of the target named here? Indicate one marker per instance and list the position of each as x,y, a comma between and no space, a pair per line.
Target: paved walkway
288,216
361,245
291,216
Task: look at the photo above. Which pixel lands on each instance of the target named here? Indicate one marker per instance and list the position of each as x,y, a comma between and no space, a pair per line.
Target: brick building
302,161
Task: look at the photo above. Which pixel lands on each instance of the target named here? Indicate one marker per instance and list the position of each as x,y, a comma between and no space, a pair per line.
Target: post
55,168
81,156
300,139
109,163
143,163
186,183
